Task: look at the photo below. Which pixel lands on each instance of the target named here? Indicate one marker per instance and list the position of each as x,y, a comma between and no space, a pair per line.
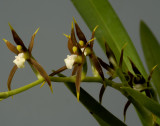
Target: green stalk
4,95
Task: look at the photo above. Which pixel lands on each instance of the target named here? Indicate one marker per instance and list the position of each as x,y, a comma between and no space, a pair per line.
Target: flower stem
4,95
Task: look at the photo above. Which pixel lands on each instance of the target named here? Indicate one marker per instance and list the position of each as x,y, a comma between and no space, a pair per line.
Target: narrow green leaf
103,116
144,115
148,103
151,49
100,12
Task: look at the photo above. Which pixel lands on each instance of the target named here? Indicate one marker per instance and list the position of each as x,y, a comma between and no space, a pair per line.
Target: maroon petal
130,78
11,47
125,109
32,42
105,65
40,70
17,39
110,55
75,69
58,71
103,88
135,69
70,45
73,37
79,33
121,59
97,65
11,76
78,80
93,33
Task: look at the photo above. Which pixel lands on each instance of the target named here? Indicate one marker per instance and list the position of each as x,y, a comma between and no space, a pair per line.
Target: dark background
38,106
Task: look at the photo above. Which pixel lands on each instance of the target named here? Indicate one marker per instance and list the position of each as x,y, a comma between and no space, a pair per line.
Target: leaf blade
148,103
102,115
110,28
151,50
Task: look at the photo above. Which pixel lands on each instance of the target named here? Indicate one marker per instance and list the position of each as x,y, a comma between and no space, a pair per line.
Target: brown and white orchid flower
24,54
77,59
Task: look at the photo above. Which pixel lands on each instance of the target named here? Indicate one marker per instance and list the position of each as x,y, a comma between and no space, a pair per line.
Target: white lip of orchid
69,61
85,52
20,60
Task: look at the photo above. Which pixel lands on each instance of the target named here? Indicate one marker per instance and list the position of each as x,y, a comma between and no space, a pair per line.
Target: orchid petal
78,80
58,71
102,90
11,76
125,109
41,71
32,41
97,65
11,47
17,39
79,33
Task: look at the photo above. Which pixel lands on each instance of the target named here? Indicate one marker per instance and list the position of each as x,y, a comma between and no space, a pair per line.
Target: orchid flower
24,54
139,83
77,59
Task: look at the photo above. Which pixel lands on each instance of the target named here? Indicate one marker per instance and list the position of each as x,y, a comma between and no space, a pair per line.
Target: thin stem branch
4,95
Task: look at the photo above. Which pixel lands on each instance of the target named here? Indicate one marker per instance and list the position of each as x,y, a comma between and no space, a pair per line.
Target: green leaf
151,49
103,116
143,100
100,12
144,115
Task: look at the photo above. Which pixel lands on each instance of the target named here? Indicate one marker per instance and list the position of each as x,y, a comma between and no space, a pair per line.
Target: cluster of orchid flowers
77,60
